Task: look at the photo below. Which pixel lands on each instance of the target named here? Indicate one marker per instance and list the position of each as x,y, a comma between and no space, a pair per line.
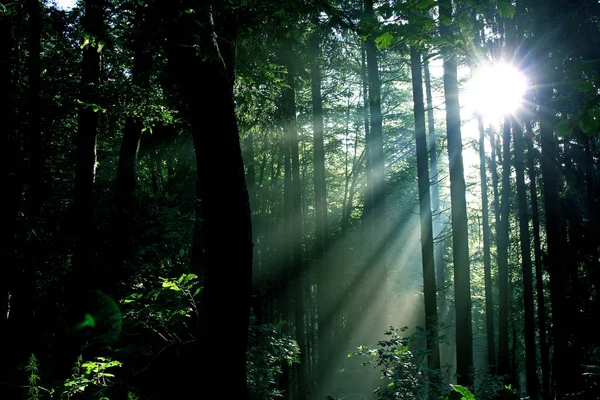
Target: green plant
84,375
90,373
268,350
403,365
166,309
33,368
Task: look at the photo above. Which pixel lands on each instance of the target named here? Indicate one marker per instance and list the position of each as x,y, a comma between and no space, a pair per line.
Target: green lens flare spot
88,320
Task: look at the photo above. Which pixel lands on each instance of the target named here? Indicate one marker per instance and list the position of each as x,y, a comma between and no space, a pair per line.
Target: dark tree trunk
321,234
503,242
376,225
298,277
537,250
562,368
530,349
487,263
434,176
375,139
223,198
23,293
429,286
13,183
85,157
460,242
260,275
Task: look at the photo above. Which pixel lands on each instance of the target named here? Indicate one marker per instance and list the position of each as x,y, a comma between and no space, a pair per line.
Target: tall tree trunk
434,176
530,349
537,250
24,290
321,234
460,242
429,286
85,157
487,264
502,243
12,185
298,276
259,284
223,196
377,227
562,369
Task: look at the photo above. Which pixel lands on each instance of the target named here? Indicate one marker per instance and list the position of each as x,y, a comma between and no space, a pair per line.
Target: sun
496,90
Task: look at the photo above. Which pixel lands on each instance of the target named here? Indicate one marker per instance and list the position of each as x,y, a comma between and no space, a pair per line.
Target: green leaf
563,128
384,40
171,286
466,393
505,8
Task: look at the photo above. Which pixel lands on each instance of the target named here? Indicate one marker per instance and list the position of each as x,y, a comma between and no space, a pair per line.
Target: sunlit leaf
505,8
384,40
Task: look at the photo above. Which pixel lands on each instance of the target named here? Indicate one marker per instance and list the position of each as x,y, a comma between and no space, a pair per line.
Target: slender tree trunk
460,242
11,182
260,281
321,234
376,223
296,267
537,247
434,176
85,157
487,264
530,349
429,286
562,368
503,241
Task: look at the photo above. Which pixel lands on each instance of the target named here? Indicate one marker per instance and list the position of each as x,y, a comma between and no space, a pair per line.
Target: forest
300,199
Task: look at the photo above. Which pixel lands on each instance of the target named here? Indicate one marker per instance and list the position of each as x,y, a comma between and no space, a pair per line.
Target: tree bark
562,368
321,225
427,253
298,276
537,251
223,197
530,349
503,243
487,264
460,242
434,176
85,157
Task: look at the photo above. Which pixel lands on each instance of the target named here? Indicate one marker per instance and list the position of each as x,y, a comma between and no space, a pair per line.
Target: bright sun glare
496,90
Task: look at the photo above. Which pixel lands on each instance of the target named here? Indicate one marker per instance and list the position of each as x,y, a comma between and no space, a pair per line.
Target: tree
222,193
530,349
460,242
429,285
87,131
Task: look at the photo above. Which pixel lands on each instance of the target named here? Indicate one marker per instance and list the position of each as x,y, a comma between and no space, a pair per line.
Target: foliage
90,374
269,349
166,308
402,366
90,377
